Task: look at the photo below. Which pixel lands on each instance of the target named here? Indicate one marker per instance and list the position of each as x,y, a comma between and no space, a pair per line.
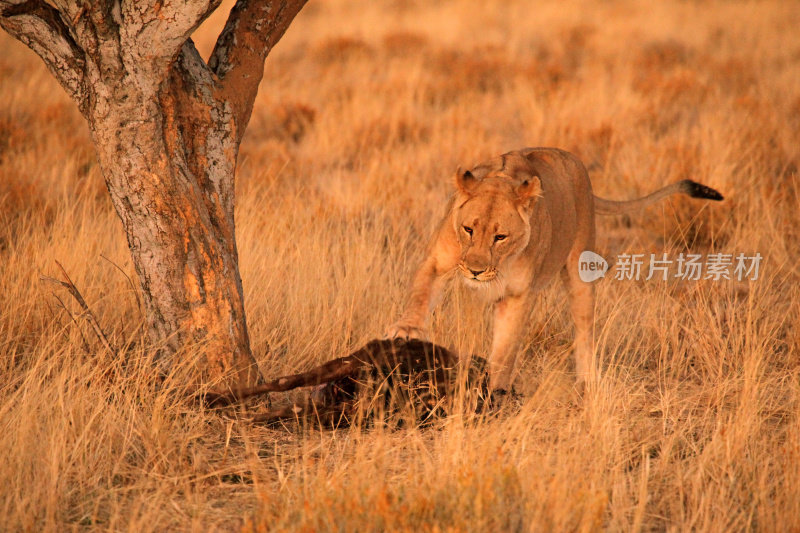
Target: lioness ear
529,189
465,180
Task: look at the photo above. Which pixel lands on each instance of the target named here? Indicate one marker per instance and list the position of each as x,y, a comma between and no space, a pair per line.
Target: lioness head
492,218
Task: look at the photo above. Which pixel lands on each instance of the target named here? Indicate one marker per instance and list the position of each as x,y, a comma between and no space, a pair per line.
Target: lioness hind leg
581,297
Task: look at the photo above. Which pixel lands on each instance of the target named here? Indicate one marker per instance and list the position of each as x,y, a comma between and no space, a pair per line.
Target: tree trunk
169,164
167,128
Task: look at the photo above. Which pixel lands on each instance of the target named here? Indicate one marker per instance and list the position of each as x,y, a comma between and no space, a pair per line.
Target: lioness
514,222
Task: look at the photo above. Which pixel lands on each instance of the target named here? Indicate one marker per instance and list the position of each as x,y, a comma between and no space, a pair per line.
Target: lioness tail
687,187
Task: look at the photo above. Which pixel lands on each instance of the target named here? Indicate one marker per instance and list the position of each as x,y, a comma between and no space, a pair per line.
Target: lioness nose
476,273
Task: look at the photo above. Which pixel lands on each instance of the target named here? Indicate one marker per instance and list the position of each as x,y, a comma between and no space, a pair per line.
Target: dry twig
87,313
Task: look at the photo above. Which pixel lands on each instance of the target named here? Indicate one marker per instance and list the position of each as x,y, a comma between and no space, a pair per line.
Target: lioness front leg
425,292
509,316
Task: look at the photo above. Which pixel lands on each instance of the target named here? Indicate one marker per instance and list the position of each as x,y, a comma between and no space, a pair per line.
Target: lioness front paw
502,399
403,330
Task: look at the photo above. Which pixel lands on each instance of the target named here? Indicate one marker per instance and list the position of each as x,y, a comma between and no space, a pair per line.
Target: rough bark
167,127
41,28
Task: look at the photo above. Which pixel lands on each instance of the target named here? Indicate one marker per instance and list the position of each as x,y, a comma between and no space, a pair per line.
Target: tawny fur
513,224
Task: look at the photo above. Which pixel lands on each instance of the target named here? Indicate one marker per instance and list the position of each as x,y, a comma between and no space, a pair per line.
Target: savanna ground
365,111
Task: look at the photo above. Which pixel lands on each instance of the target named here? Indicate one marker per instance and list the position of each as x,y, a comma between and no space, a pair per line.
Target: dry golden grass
365,111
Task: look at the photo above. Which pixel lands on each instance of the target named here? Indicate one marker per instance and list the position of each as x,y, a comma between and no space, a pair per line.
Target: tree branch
40,27
252,29
163,26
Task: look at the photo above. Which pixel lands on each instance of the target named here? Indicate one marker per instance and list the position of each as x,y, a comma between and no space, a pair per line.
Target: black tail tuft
698,190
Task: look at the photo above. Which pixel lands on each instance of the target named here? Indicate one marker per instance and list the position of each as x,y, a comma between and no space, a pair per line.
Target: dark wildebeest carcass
405,381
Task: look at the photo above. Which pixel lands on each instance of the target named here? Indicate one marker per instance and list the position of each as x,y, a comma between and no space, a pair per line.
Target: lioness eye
500,237
468,230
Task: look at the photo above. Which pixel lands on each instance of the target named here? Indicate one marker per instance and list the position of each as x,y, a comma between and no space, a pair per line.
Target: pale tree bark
167,126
